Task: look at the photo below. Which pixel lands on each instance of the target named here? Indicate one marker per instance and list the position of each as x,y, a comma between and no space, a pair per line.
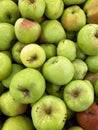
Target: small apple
33,55
73,2
64,48
49,113
87,39
27,86
10,107
52,32
58,70
32,9
78,95
88,119
80,68
75,128
7,36
54,9
9,11
20,122
71,18
27,31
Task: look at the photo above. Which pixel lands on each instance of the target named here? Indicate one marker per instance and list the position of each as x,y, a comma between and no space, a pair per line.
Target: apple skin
27,86
58,70
32,9
9,11
88,119
20,122
10,107
75,128
7,36
87,39
27,31
73,2
49,113
51,12
78,95
71,18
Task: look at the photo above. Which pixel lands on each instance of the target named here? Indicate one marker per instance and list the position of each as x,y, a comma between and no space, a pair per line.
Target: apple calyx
24,91
32,58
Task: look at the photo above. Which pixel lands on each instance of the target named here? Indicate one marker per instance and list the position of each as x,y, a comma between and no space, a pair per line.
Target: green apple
15,51
78,95
5,66
73,2
71,18
87,39
9,11
90,8
92,63
10,107
75,128
32,9
67,49
58,70
52,32
27,86
80,68
33,55
7,36
49,113
15,68
54,9
20,122
27,31
50,49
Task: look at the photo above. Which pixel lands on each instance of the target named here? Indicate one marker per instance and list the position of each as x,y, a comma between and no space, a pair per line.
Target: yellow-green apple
33,55
5,66
87,39
11,107
51,12
73,2
52,32
78,95
64,48
32,9
58,70
9,11
7,36
27,86
20,122
90,8
80,68
26,30
71,18
88,119
49,113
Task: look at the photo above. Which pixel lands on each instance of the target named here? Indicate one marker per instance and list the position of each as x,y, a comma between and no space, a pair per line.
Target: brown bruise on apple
32,58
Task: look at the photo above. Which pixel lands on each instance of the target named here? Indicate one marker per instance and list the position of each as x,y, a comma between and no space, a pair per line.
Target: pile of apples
48,64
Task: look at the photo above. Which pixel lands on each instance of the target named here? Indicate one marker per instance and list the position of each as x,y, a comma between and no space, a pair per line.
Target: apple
5,66
27,86
49,113
31,9
54,9
75,128
50,49
20,122
7,36
73,2
89,44
9,11
88,119
52,32
15,68
10,107
58,70
92,63
71,18
27,31
33,55
90,8
80,68
78,95
64,48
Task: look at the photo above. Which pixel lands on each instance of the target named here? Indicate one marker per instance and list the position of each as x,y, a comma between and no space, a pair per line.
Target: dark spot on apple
73,11
48,110
8,16
32,1
96,34
25,91
65,117
32,58
76,93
